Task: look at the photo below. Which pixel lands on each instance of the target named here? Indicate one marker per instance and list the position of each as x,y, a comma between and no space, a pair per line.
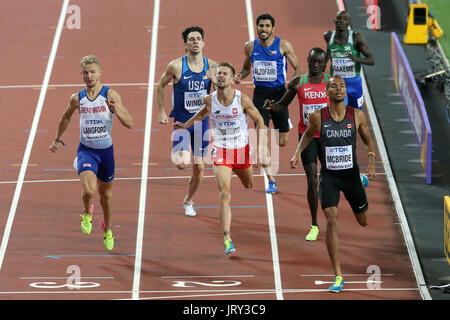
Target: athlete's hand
271,105
179,125
268,104
295,160
237,78
351,56
371,172
54,146
162,118
111,104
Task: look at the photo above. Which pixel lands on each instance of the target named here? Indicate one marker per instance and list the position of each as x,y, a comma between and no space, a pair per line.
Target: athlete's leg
331,238
105,192
223,179
89,186
311,193
246,176
283,138
196,178
362,218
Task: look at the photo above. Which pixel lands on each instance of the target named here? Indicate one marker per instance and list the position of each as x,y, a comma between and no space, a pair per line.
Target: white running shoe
189,210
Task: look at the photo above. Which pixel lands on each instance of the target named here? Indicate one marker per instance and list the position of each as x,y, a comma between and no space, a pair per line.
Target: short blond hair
90,59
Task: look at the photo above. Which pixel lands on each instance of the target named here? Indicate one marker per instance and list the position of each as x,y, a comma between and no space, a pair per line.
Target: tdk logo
95,121
339,149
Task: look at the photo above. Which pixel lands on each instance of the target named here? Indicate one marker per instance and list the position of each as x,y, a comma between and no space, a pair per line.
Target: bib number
265,70
339,158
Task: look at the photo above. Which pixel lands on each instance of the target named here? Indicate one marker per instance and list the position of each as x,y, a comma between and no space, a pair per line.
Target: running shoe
189,210
313,233
229,248
86,221
337,285
108,240
272,187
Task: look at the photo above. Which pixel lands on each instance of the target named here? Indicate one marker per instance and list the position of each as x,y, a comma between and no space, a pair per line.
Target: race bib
310,108
265,70
193,101
344,67
339,158
95,132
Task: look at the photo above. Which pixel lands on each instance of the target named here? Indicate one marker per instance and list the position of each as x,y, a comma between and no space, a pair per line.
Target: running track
160,253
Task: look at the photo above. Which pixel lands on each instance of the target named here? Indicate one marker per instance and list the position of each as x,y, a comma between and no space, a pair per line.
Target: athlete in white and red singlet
228,109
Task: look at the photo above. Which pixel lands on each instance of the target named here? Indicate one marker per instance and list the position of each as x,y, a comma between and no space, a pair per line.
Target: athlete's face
316,63
223,77
342,21
336,89
194,42
91,74
264,29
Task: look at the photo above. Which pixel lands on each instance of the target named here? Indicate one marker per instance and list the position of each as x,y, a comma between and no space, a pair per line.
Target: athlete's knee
198,169
362,218
224,195
248,184
331,217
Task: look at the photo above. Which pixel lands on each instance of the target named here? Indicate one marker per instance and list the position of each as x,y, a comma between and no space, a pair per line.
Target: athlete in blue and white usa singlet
269,65
95,120
187,99
189,91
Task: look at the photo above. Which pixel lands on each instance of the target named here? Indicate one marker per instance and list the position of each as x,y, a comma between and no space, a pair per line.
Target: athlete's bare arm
64,122
246,65
364,133
198,116
249,108
287,98
313,126
288,50
327,37
361,46
172,73
116,106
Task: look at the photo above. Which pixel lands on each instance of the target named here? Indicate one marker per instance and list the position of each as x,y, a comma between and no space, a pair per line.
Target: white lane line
270,214
29,146
146,153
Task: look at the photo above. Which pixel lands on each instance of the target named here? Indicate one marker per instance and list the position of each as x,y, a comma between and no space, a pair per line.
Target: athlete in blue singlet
267,57
190,84
97,105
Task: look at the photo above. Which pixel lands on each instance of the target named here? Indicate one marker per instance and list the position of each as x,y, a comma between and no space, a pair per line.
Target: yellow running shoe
86,221
108,240
337,285
313,233
229,248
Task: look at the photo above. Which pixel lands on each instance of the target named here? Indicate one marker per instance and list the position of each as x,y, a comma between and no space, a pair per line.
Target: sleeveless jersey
338,142
229,124
341,65
311,97
189,91
269,65
95,120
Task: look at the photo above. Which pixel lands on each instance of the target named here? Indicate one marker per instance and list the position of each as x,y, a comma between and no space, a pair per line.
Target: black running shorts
350,184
